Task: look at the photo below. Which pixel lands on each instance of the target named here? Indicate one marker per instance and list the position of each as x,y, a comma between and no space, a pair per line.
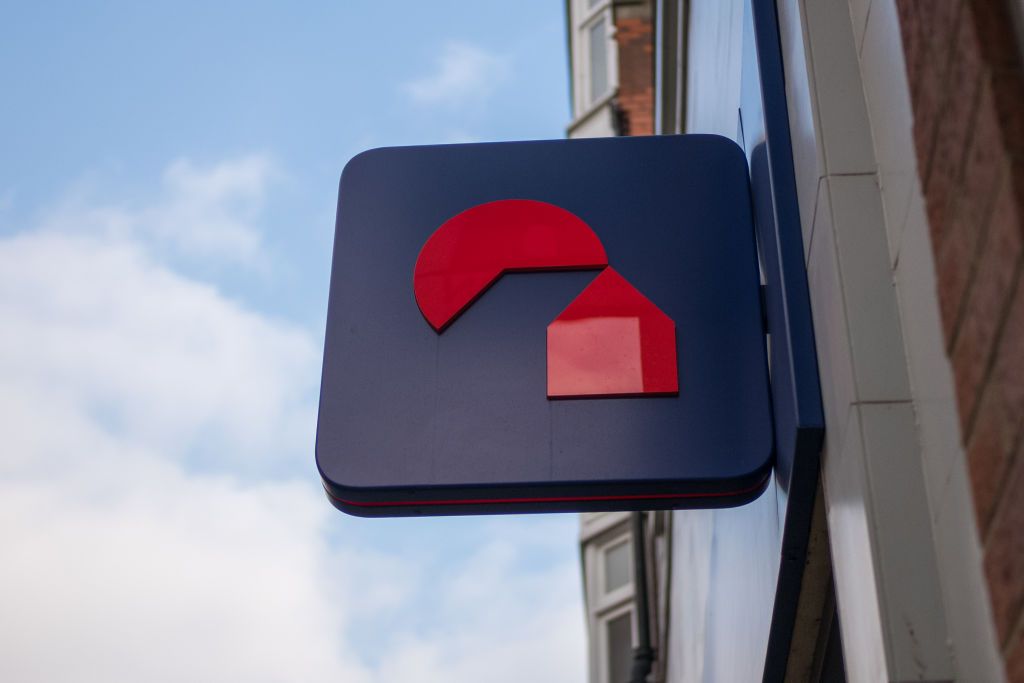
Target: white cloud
167,577
211,210
166,361
153,524
514,624
464,74
120,563
202,212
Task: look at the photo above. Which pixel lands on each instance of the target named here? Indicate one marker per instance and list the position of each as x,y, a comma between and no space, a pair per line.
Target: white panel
859,14
843,117
972,631
852,559
931,378
597,124
888,102
876,342
914,619
831,334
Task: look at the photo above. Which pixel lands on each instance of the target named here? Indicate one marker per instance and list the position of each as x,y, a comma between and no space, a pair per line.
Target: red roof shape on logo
611,340
471,250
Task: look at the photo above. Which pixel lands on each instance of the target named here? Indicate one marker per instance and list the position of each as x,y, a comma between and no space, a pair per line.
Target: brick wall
967,89
636,69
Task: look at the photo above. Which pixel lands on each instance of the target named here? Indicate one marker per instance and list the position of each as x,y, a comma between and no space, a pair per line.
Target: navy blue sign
564,325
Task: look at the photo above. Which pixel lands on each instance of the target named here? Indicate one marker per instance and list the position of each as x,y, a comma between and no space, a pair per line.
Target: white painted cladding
906,556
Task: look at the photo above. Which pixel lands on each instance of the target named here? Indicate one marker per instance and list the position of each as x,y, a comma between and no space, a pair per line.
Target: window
597,41
608,578
618,634
594,53
616,566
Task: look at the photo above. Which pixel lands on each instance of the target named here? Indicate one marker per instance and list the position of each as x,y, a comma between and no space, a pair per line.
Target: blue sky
166,215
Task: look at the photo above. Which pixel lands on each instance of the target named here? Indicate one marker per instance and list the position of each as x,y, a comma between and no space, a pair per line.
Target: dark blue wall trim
796,392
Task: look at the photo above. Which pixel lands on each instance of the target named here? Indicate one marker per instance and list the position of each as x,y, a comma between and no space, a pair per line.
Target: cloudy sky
167,195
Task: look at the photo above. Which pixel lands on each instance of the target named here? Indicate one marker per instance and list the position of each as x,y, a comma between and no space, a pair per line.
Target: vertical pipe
643,654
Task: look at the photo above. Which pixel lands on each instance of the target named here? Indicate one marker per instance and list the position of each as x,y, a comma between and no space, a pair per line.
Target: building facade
907,126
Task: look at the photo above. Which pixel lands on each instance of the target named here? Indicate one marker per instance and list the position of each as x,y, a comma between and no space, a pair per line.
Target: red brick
636,74
910,32
938,21
1008,86
991,24
953,268
958,247
1007,218
985,157
986,302
931,37
988,454
1003,397
994,25
1004,555
927,100
1015,659
954,126
1004,552
1008,372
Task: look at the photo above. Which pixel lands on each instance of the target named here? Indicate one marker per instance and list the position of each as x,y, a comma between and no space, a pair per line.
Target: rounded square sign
564,325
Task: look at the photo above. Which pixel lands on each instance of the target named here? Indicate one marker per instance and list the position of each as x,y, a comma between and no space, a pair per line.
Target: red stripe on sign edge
553,499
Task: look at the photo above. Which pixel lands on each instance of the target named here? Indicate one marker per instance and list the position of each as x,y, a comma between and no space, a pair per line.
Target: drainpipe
643,654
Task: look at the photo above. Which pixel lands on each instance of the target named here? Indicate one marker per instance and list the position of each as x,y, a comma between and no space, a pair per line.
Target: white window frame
603,606
584,18
623,592
604,653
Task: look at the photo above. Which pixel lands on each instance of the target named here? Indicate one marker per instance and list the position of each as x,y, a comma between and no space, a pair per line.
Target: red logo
610,340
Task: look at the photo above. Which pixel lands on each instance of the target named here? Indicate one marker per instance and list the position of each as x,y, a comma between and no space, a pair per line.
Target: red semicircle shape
471,250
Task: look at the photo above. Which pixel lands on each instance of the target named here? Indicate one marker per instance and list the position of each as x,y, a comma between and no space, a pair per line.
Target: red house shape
611,340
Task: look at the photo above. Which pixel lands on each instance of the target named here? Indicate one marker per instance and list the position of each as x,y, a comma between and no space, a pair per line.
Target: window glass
591,4
620,647
598,42
616,566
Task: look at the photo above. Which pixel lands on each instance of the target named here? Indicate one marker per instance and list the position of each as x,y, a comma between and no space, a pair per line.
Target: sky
167,195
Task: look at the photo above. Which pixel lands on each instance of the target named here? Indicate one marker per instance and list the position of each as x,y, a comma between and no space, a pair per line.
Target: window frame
606,599
584,18
605,533
604,674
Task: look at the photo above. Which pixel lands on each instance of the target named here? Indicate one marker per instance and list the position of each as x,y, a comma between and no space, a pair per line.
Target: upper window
608,582
597,41
616,566
594,52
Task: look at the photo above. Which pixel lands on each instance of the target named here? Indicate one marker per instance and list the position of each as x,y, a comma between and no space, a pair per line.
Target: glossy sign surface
413,421
611,341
